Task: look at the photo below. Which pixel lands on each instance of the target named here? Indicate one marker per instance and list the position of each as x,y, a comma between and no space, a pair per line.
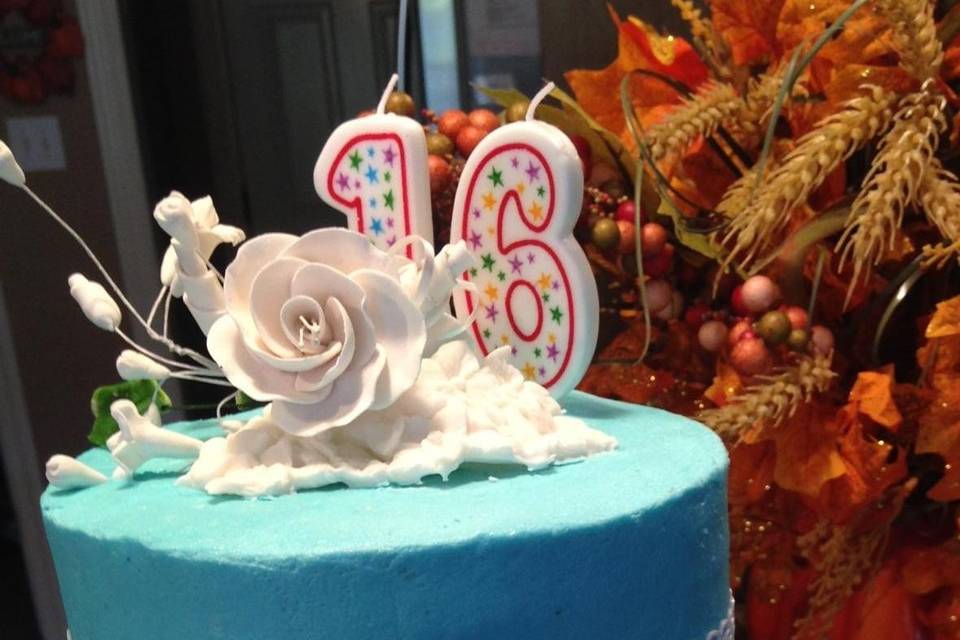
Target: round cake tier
628,544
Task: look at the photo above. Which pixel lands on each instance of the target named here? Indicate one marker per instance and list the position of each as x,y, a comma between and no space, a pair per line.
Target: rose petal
321,283
343,332
270,290
352,394
399,329
246,372
252,256
343,250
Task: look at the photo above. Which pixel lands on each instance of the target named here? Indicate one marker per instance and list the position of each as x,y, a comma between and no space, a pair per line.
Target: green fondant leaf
142,393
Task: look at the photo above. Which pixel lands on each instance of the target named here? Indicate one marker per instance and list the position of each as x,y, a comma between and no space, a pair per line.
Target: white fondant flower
132,365
99,307
140,439
319,325
65,472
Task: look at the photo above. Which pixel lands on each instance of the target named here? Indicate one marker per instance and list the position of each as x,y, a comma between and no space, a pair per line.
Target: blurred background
110,104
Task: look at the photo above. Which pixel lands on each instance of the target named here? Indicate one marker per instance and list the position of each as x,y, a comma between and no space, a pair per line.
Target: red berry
751,356
468,139
798,317
451,122
653,238
66,41
659,265
736,302
439,173
740,330
626,211
697,314
759,293
628,237
484,119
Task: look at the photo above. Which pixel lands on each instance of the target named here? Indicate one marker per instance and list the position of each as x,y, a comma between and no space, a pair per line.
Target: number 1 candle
374,170
517,203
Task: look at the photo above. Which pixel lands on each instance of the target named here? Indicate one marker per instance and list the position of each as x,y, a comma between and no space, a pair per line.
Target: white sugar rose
319,326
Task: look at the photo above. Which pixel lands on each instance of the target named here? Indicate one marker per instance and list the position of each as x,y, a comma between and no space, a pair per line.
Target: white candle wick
382,107
537,99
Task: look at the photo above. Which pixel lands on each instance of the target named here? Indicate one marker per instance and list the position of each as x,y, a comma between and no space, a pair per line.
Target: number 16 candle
517,203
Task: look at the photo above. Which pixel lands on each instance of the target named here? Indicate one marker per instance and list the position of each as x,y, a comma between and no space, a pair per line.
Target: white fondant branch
65,472
167,361
10,170
132,365
141,440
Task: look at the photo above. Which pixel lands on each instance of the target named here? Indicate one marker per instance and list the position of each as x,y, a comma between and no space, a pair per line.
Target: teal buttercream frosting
627,544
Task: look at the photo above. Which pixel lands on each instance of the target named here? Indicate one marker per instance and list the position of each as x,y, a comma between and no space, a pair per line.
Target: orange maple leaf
946,319
807,455
925,570
726,384
939,433
872,395
751,472
750,28
880,610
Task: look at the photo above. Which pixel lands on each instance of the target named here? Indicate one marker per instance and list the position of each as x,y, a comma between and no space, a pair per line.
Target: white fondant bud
65,472
142,440
174,214
95,302
10,170
132,365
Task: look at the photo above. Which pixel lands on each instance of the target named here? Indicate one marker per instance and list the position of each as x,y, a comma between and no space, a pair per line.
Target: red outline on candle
526,337
504,249
356,203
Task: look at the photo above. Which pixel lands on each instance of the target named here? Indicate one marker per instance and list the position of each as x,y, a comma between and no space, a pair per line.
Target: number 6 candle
517,203
374,170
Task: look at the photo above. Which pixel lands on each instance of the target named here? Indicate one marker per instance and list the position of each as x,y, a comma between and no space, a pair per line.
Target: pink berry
628,237
751,356
659,294
822,339
759,293
798,317
673,309
626,211
712,335
653,237
659,265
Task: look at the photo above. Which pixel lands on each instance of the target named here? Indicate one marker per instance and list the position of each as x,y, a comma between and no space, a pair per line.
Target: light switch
37,143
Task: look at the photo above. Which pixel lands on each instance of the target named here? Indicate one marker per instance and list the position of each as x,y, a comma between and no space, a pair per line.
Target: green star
541,191
473,272
355,160
388,199
545,296
537,352
496,177
386,176
501,276
486,333
556,314
488,262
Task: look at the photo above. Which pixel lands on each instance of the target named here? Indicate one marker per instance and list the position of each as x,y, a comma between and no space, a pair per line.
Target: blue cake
627,544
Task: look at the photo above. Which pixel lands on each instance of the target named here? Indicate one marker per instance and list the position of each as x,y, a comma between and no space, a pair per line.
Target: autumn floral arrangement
772,212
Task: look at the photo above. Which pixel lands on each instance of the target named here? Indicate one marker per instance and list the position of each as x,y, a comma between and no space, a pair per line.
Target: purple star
552,352
356,184
491,312
476,213
515,163
343,182
532,172
392,240
515,264
543,372
530,258
556,285
390,222
513,351
475,239
388,155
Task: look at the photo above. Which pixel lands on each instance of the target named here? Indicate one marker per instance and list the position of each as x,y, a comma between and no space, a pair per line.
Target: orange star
492,230
536,211
552,338
521,187
489,200
492,292
529,372
544,281
505,339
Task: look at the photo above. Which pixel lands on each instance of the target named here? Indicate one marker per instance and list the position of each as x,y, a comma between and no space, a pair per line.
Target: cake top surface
660,456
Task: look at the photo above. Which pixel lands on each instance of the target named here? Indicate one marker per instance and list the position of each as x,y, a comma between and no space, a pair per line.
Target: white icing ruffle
727,628
460,409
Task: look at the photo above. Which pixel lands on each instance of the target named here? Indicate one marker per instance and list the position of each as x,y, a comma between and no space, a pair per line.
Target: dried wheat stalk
915,35
737,196
691,14
755,228
699,115
751,121
842,559
903,158
768,404
940,198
